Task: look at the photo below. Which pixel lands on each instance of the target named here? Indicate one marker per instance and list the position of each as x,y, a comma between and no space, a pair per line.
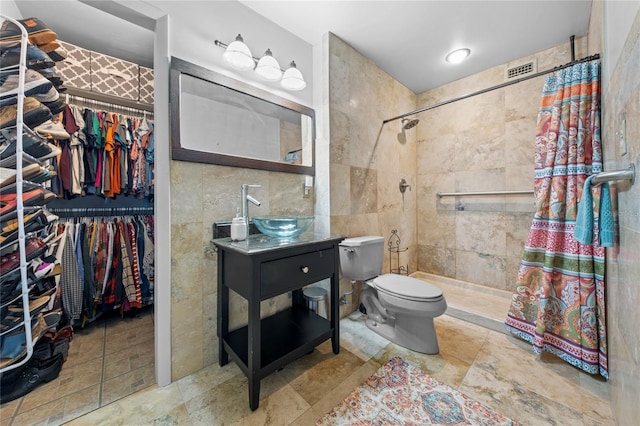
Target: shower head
409,124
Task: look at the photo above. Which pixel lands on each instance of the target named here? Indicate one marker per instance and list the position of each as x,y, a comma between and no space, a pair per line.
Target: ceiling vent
514,71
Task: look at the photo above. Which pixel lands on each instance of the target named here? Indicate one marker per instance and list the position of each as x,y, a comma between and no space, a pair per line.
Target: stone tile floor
486,364
108,359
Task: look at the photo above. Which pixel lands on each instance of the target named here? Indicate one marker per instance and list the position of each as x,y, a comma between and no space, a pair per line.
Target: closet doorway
112,355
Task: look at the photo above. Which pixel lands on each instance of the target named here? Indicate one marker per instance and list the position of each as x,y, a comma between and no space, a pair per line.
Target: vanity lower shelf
284,337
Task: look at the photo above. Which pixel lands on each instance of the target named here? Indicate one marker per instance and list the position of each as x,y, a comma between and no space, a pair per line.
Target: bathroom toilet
399,308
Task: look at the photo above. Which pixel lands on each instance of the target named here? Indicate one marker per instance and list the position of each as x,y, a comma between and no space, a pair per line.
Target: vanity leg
254,352
254,393
223,312
335,307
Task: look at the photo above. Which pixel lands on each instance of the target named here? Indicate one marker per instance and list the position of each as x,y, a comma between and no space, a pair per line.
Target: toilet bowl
399,308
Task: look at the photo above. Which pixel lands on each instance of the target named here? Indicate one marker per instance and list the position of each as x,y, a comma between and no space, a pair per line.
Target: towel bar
629,174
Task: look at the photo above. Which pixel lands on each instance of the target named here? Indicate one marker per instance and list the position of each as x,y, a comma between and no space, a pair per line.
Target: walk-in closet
77,226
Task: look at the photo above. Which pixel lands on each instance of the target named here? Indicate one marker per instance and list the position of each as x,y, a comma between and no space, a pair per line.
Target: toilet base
400,331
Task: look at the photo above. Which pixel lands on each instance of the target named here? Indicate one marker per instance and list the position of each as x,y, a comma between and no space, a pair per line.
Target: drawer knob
304,269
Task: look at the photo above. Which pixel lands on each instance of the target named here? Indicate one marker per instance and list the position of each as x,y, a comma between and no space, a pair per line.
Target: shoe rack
33,349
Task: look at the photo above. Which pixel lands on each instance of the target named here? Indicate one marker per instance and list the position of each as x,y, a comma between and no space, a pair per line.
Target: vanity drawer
290,273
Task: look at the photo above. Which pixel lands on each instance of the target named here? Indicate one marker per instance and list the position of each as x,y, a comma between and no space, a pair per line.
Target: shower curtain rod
499,86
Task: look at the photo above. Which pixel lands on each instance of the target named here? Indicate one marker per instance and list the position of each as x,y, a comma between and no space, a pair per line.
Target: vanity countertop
259,243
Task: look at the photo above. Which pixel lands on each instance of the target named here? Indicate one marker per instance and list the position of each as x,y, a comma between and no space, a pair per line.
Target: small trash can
316,298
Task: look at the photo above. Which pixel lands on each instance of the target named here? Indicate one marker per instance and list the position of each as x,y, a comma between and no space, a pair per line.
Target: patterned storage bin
146,85
75,69
113,76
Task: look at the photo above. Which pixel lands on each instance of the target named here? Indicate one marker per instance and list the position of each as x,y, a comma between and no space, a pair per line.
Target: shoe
59,54
34,85
36,58
51,75
56,107
52,130
34,114
36,373
32,143
50,47
37,31
13,346
35,247
43,269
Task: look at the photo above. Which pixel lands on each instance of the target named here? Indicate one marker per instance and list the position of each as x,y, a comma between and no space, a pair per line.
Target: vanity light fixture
457,56
268,67
238,55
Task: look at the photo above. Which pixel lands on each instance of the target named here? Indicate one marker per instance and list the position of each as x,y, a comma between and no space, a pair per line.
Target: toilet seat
407,287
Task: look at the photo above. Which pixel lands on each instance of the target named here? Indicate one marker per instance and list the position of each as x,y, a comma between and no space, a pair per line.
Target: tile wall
368,159
205,194
621,98
482,143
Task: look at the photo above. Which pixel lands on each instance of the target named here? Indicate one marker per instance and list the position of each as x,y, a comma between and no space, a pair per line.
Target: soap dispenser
238,228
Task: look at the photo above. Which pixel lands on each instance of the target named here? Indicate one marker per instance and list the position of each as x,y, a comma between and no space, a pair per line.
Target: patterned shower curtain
559,300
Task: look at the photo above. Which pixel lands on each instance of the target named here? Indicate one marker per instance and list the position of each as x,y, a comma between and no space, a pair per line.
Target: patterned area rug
400,394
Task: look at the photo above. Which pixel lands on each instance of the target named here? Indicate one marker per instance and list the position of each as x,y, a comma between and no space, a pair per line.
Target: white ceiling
407,39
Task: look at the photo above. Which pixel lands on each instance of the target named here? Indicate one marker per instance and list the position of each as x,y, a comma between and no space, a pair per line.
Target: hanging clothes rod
108,99
465,194
100,211
499,86
629,174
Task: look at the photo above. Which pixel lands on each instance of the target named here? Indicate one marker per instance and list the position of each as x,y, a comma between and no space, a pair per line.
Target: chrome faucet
245,202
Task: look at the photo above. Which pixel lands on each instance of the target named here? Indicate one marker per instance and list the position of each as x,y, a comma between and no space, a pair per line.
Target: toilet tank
361,258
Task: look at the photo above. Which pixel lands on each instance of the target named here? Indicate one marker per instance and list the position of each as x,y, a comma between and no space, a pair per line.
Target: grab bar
464,194
629,174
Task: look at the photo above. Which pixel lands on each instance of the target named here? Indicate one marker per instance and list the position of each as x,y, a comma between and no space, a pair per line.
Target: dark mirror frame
180,67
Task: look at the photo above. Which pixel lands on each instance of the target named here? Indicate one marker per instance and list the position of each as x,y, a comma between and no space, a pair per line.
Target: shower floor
474,303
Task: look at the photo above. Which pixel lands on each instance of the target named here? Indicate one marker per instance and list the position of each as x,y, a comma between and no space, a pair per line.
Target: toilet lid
407,287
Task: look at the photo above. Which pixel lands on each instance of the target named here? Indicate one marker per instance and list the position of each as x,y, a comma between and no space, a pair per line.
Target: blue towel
607,236
583,232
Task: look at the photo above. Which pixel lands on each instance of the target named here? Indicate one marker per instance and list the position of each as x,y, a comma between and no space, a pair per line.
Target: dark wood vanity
262,267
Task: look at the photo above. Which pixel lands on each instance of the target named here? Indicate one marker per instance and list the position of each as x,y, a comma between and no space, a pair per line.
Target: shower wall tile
364,190
482,232
438,230
436,260
511,272
340,182
517,230
429,185
481,181
340,137
479,149
522,100
365,224
621,97
437,154
368,159
520,142
481,268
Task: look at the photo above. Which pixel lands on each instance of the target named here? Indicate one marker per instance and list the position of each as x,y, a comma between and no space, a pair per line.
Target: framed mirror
219,120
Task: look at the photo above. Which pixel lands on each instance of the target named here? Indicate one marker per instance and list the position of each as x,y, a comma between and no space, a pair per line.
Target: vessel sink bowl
283,226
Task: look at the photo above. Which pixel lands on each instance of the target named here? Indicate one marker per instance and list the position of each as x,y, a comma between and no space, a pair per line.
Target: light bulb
292,78
238,55
268,67
457,56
